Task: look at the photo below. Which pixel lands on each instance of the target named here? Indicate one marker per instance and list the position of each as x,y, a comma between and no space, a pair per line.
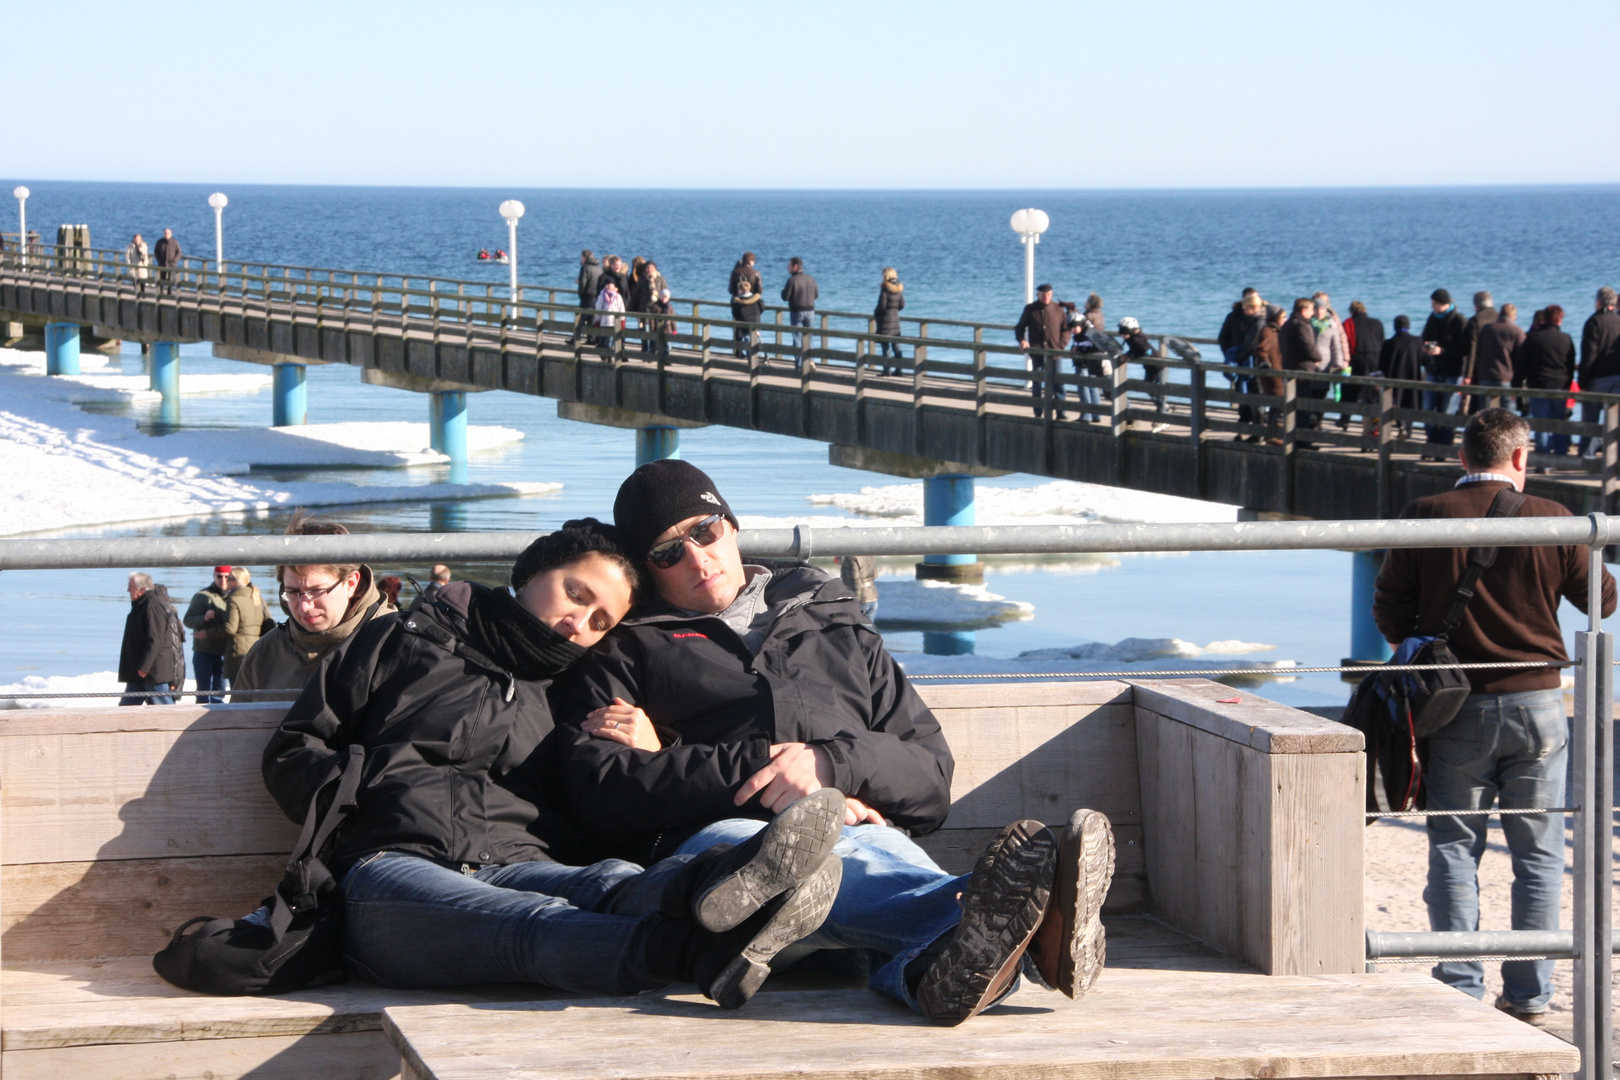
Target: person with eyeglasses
735,689
325,604
205,617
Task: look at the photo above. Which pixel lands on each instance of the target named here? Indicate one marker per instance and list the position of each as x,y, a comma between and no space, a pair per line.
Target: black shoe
1069,948
730,967
1004,904
725,885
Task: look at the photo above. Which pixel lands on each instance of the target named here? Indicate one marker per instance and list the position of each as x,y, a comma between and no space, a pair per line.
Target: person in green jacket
205,617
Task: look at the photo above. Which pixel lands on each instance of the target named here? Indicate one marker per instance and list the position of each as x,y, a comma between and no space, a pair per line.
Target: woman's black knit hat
661,494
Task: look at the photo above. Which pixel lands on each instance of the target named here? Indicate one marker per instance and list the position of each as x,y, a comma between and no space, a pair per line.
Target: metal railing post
1593,744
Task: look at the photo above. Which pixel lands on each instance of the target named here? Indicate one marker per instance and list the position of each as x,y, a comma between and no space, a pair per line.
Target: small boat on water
498,257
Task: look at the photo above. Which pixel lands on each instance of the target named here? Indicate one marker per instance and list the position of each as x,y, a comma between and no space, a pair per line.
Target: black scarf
508,634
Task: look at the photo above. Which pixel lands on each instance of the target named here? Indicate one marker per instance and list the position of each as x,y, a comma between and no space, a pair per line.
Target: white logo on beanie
710,497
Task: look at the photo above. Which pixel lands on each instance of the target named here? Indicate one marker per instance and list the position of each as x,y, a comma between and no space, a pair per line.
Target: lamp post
22,223
511,210
218,201
1029,224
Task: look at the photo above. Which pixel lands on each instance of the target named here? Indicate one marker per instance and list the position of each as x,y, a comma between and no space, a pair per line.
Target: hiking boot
1534,1019
1003,905
725,885
1069,947
736,963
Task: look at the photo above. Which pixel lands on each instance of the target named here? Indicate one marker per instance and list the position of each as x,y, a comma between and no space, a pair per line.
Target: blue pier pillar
1367,645
448,425
949,642
657,443
163,367
289,406
948,500
62,348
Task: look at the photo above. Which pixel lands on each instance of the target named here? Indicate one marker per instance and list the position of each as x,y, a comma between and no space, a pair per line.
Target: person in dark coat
1545,360
800,293
1445,340
451,862
1297,341
1493,352
1600,360
166,253
747,306
151,657
1240,332
1044,324
1403,357
588,284
744,271
612,271
886,316
1268,357
776,686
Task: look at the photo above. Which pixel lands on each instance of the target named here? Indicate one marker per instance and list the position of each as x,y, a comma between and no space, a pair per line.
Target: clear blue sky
814,93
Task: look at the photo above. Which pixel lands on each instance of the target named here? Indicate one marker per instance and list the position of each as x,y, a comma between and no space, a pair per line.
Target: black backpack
301,946
1396,711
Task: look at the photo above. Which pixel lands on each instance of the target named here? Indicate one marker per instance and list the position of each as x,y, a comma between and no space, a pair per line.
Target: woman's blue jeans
1507,748
894,901
412,923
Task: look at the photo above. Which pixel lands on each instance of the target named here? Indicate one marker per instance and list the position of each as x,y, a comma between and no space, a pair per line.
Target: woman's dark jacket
456,747
1364,358
821,676
891,298
749,312
1240,332
1545,360
152,642
1402,358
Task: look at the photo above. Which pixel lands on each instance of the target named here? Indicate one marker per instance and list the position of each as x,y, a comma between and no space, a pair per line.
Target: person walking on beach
325,605
1445,340
1508,744
1545,360
588,284
800,293
1493,352
1297,342
149,658
1600,361
891,301
1403,357
139,260
167,254
245,619
1044,324
205,616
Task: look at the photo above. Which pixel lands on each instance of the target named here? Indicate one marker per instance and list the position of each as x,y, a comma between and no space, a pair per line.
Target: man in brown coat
1510,741
1044,325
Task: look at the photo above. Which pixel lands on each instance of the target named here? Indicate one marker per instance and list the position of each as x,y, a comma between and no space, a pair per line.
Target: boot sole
804,909
793,846
1091,840
1002,908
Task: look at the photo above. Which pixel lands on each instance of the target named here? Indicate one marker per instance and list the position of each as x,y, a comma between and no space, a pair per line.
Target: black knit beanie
661,494
1440,296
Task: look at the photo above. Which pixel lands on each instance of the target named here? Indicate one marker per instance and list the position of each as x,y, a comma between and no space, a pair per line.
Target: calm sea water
1174,260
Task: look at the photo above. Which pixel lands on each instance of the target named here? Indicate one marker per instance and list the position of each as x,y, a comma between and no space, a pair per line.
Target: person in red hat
209,641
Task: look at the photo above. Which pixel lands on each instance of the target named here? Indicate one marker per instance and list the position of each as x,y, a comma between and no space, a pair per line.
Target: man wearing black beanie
777,687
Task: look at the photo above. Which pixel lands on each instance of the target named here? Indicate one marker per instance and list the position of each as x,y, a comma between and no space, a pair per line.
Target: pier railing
958,364
1591,799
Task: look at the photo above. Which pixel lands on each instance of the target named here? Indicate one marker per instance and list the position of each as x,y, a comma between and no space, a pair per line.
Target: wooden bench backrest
118,824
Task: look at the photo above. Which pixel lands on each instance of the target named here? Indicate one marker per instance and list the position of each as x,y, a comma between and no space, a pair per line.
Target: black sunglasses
670,552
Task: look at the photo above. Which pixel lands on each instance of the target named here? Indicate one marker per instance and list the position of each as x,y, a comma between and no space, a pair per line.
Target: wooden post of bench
1196,423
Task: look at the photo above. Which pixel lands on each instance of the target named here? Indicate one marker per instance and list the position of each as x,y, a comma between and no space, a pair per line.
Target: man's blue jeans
1548,442
210,672
800,318
1512,748
894,901
146,686
1592,411
1441,401
409,922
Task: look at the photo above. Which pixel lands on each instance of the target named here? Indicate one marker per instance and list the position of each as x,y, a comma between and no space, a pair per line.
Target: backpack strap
1507,503
304,865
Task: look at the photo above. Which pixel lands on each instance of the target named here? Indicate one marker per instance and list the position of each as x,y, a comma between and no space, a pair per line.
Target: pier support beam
657,442
948,500
289,405
61,348
163,369
1367,645
447,422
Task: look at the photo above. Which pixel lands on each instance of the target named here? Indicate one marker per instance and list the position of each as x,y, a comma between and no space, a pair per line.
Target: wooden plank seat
1238,823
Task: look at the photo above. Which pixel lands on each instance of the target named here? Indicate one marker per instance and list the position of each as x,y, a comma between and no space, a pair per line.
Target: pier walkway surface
961,403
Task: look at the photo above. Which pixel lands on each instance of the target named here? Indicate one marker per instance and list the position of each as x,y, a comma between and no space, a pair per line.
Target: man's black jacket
456,748
151,642
822,676
1450,332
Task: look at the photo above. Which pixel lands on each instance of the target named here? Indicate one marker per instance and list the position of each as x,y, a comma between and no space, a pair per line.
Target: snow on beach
1134,655
95,683
66,468
1058,502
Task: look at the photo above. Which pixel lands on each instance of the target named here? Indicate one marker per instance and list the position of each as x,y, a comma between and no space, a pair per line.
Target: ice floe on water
93,385
95,682
1133,656
66,468
916,604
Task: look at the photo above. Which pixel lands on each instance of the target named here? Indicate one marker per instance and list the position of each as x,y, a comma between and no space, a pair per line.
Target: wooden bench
1239,832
